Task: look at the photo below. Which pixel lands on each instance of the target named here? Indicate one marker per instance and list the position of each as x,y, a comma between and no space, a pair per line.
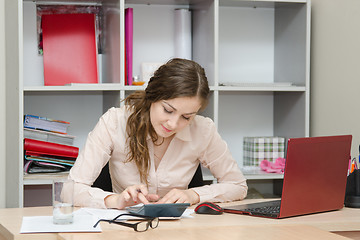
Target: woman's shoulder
202,124
116,115
203,119
200,132
122,111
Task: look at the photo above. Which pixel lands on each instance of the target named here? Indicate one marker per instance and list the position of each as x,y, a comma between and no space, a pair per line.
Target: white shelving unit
256,55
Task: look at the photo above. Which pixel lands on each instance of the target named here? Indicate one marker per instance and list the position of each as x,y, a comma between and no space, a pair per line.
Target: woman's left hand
180,196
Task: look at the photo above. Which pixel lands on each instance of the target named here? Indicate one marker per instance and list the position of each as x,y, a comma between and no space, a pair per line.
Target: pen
353,165
358,160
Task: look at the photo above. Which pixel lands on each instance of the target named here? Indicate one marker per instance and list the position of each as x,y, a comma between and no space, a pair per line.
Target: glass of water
62,196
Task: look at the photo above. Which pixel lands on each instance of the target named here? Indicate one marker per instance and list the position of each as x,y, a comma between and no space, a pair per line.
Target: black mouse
209,208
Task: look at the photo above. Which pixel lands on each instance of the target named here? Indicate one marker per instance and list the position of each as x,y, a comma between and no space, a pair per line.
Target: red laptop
314,179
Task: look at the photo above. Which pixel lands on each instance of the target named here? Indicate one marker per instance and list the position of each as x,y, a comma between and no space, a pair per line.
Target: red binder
39,148
70,53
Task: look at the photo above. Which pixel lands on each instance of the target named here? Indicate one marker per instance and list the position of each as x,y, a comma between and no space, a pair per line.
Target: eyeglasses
141,226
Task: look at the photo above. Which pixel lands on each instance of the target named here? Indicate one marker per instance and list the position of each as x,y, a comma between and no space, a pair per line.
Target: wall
2,104
335,69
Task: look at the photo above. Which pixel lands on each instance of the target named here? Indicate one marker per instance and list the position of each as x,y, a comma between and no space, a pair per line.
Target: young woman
154,144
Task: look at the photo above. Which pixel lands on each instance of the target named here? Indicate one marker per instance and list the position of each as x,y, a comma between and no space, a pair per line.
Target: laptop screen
315,174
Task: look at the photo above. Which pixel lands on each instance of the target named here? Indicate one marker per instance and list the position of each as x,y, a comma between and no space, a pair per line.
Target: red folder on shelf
70,53
40,148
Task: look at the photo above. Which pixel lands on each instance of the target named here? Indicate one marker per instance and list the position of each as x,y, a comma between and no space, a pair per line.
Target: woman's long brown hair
177,78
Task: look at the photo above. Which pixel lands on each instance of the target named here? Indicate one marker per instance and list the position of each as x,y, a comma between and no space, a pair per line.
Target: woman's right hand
130,196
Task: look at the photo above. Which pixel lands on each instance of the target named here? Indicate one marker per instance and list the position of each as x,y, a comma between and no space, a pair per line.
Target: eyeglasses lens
142,226
154,223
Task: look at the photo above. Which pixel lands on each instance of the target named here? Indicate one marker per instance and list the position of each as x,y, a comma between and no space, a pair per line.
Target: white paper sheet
84,220
44,224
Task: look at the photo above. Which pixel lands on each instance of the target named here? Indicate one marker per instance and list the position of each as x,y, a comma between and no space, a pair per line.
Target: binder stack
47,157
47,146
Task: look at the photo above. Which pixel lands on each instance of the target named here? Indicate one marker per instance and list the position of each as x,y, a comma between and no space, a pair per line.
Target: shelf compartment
82,109
109,60
269,43
262,113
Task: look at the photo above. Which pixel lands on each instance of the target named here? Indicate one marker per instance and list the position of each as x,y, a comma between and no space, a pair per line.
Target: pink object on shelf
129,45
277,167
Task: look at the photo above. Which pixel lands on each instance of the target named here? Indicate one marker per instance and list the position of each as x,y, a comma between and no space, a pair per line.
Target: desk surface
269,232
228,226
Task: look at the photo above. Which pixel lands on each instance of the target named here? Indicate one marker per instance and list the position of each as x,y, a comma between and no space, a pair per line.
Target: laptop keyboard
265,210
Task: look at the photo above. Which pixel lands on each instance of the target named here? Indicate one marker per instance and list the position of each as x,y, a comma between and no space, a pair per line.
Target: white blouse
198,142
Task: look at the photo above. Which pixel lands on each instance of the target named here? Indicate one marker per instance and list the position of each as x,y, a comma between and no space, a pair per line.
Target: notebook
314,179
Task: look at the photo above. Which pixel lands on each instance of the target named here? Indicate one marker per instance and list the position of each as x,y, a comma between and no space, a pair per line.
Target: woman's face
171,116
